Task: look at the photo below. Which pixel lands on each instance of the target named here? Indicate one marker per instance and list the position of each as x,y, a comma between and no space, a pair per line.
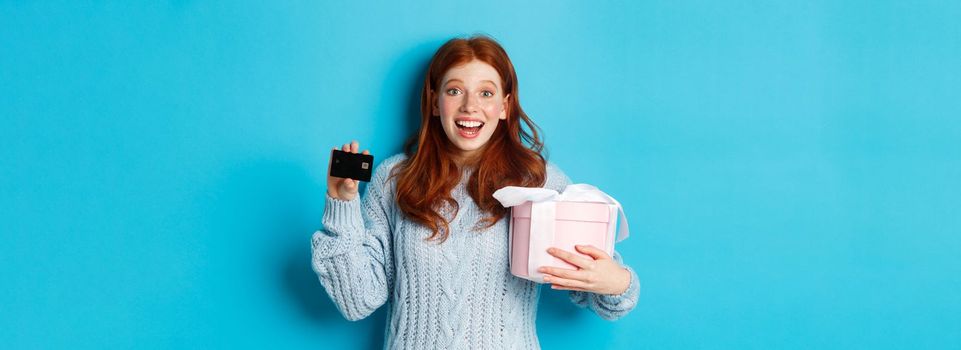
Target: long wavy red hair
512,156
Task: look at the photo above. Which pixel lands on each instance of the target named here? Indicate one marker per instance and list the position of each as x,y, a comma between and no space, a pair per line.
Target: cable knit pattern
454,295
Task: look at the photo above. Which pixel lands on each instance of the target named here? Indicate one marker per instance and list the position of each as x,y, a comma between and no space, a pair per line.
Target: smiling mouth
469,126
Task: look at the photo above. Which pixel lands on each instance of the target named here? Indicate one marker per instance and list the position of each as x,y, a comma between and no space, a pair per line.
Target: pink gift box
574,223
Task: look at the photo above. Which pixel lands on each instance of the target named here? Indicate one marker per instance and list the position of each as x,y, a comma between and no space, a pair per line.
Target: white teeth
469,124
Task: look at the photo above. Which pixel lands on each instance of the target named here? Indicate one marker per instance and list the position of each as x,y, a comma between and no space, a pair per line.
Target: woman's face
470,102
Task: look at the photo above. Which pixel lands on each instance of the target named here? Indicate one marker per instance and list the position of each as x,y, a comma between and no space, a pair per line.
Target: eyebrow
458,80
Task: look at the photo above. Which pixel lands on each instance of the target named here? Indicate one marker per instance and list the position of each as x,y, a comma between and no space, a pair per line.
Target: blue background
791,170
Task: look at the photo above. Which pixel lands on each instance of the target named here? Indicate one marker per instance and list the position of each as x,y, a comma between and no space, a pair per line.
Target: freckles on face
470,103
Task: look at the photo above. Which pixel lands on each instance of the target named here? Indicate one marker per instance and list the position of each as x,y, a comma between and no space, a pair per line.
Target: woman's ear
435,111
507,106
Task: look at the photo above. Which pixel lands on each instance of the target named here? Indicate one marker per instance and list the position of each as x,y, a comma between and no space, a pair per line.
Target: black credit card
349,165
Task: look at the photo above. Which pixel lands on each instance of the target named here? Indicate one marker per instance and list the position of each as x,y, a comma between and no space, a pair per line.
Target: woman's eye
453,92
487,94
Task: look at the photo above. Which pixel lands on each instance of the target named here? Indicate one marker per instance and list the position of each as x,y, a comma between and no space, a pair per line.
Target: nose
469,104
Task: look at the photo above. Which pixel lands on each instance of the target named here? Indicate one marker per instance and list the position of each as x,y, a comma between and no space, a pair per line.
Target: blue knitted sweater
458,294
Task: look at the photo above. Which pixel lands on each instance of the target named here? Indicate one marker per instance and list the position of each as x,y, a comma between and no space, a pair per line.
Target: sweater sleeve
352,254
608,307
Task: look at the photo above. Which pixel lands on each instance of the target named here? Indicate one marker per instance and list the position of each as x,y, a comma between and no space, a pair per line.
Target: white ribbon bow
512,195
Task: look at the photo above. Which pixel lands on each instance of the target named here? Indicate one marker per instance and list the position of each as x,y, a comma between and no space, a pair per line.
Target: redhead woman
430,241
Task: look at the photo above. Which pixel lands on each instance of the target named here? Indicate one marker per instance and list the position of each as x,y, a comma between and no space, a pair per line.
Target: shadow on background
305,289
299,279
408,70
266,214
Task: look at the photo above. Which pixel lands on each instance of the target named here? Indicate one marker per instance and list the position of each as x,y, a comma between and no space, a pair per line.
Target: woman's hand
597,274
341,188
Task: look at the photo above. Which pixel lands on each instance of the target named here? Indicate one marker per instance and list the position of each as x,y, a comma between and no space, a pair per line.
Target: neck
466,160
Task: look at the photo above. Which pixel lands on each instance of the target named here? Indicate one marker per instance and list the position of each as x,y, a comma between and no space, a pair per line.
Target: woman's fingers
560,287
572,258
564,273
592,251
568,283
352,147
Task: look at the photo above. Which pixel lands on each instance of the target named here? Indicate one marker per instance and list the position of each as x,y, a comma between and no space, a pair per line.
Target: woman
430,240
